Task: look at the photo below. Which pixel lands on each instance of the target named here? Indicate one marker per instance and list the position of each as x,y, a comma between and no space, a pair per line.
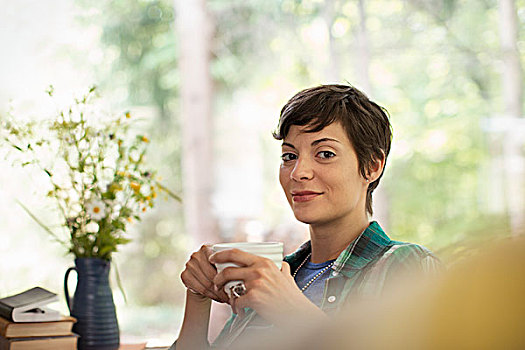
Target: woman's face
320,175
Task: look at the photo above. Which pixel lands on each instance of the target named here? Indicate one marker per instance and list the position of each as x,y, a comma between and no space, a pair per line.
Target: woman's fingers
210,272
207,268
260,272
285,269
230,274
262,278
195,268
234,303
199,274
270,291
235,256
195,285
250,266
221,294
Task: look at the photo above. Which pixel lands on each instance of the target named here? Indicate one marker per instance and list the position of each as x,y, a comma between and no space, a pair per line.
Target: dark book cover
26,305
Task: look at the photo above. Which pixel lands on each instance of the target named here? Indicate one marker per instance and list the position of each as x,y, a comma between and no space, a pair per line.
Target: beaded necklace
324,269
316,276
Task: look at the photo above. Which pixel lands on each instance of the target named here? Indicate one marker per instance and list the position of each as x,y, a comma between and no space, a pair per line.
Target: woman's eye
286,157
325,154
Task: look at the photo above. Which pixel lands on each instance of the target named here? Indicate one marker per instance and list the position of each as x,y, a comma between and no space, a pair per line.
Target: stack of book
26,324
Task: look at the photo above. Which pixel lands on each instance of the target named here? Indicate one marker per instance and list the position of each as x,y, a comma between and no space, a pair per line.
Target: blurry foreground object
478,304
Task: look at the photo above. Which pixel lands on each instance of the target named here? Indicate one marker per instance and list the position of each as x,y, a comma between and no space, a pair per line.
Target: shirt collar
368,246
296,258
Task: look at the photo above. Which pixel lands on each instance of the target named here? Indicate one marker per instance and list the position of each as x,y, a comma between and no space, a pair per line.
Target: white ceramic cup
269,250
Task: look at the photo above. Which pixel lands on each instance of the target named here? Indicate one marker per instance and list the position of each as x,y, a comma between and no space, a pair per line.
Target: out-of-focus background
208,79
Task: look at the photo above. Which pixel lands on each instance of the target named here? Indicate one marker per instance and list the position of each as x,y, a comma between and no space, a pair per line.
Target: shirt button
335,273
331,298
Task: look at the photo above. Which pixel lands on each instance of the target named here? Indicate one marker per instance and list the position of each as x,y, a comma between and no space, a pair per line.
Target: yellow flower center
135,186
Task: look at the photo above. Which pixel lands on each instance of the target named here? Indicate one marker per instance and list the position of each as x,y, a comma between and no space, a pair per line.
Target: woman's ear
376,168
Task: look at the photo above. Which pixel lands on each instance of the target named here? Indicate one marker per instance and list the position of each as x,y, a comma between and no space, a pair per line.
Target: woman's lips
304,196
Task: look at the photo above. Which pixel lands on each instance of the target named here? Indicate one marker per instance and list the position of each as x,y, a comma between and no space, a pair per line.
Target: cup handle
66,290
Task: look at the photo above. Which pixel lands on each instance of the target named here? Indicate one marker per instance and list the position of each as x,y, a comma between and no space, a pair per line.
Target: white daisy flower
92,227
96,209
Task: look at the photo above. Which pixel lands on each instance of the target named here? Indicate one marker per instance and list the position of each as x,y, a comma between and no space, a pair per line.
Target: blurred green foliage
141,70
433,65
138,37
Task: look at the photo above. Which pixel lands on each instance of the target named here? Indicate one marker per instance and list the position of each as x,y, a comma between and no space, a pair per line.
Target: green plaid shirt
365,270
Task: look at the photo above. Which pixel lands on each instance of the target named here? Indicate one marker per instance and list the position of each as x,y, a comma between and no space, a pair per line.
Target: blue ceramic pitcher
92,305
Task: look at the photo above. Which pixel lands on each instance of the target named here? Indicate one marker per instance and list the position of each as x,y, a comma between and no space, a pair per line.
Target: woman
335,145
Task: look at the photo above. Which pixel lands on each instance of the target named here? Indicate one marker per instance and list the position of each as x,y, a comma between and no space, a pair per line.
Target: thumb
286,268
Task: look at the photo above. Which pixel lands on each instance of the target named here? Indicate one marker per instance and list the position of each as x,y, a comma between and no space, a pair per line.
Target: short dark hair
366,123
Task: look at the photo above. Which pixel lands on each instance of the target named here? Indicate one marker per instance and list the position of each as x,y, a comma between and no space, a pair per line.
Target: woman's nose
302,170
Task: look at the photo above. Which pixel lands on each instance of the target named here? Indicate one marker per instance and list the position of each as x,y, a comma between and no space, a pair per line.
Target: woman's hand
199,274
271,292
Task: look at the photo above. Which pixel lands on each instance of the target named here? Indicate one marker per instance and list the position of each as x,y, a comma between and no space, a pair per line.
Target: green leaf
123,240
108,195
119,282
40,223
119,225
171,194
108,249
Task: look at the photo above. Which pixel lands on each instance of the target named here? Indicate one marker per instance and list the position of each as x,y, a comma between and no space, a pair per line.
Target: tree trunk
195,30
512,89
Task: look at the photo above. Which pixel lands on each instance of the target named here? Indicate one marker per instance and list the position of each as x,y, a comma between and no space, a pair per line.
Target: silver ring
238,290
